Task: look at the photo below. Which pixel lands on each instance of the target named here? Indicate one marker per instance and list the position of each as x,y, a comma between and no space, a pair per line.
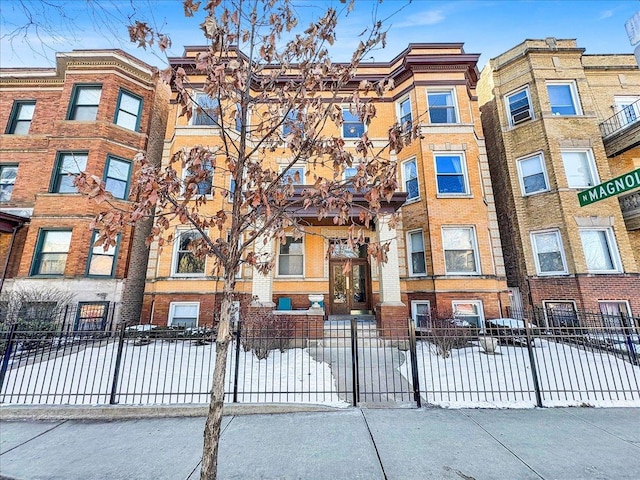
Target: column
391,311
262,285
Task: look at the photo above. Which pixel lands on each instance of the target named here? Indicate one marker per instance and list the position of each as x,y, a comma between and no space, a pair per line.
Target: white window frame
454,98
414,310
627,309
344,172
507,106
297,275
183,176
534,247
612,248
172,307
591,165
342,127
410,253
464,173
477,303
622,102
399,113
174,257
575,98
195,106
474,246
404,179
291,171
519,161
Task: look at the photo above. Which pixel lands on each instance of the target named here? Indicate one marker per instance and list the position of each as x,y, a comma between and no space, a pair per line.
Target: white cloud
605,14
427,17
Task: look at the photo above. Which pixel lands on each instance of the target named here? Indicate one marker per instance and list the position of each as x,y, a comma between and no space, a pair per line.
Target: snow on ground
567,375
169,372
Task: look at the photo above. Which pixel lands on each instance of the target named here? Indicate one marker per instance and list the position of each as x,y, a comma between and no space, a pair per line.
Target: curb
121,412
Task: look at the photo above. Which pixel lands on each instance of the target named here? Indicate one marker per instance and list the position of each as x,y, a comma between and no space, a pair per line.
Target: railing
338,363
624,118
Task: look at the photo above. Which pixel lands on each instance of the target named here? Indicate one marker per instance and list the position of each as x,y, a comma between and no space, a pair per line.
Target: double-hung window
84,102
460,250
410,179
563,98
532,174
199,181
128,110
101,262
68,166
184,314
292,123
116,177
580,168
548,253
291,257
600,250
51,253
185,260
451,175
470,312
417,265
404,114
21,116
352,126
206,110
421,312
519,106
8,174
442,106
614,313
293,175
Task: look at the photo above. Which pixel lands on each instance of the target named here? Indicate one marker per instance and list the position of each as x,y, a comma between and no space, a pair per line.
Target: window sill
411,201
552,274
197,276
289,277
454,195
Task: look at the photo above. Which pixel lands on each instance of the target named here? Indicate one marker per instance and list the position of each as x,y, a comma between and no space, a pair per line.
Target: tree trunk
214,417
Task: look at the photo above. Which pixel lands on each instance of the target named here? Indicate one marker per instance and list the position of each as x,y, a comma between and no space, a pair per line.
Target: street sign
633,28
613,187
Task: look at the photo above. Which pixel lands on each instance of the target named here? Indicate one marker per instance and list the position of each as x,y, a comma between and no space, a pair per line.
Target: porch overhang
9,222
357,205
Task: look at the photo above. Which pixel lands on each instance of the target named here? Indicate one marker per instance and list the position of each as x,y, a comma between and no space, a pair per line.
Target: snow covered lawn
165,372
567,376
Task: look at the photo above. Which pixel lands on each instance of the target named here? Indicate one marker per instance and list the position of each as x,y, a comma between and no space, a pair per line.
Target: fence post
116,371
7,354
237,365
413,354
355,377
532,361
627,328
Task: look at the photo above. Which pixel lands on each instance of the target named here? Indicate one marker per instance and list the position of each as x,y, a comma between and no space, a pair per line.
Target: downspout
6,263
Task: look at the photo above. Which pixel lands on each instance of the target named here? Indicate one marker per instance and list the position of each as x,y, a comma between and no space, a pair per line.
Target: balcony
621,132
630,206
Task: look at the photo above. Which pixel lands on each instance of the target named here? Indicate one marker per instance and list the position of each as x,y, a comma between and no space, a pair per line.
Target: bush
447,334
262,331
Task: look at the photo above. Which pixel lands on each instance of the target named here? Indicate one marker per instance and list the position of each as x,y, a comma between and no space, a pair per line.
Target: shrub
262,331
447,334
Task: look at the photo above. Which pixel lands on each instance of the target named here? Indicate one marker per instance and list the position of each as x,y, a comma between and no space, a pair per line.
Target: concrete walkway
578,443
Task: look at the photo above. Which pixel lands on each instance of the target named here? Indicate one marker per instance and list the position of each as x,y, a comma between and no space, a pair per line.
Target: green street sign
613,187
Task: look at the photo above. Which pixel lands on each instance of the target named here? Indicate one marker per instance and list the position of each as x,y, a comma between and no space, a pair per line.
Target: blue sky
485,27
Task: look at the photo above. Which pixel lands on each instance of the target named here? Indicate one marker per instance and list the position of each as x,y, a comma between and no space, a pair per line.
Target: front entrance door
350,291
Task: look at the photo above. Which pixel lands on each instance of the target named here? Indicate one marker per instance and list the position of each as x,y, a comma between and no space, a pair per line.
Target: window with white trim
580,168
293,123
600,250
451,174
627,109
8,174
404,115
469,311
349,172
352,126
532,175
291,257
442,106
548,253
202,181
184,314
293,175
421,313
460,250
614,313
206,110
563,98
519,107
415,243
185,261
410,179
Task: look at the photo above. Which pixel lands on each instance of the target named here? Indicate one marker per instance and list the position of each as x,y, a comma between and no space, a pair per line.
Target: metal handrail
621,120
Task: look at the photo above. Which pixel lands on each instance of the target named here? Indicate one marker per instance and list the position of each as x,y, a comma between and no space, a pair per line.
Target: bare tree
257,64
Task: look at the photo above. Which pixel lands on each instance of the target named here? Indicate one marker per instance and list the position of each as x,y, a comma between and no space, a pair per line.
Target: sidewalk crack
375,447
33,438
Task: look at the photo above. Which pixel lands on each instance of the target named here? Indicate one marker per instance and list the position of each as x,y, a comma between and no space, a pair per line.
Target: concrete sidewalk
577,443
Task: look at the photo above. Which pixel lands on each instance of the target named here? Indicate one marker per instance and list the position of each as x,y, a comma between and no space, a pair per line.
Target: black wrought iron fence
510,363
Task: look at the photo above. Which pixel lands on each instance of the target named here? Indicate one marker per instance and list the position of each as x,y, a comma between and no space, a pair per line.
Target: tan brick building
446,253
94,111
558,121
